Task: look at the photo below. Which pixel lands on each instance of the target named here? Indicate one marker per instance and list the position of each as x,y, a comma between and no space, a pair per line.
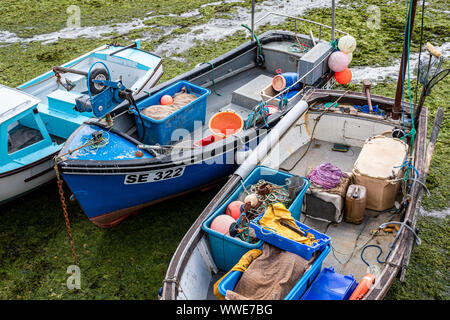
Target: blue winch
107,94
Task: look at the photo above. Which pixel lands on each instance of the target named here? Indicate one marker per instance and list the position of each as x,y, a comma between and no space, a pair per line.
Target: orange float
343,77
166,99
363,286
234,209
222,224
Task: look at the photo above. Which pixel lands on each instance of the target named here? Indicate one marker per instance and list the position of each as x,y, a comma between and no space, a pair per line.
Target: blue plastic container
330,285
227,250
290,78
288,95
230,281
287,244
160,131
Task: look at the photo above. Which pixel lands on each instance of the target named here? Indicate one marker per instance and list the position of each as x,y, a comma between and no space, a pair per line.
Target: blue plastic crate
160,131
227,250
303,250
330,285
230,281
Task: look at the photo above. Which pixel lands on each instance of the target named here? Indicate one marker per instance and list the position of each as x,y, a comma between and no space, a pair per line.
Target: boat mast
253,20
404,62
333,9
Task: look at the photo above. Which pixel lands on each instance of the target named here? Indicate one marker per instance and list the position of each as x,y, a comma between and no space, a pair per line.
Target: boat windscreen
14,102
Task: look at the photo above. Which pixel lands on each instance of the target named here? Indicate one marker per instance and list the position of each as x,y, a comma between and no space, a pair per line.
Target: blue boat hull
107,199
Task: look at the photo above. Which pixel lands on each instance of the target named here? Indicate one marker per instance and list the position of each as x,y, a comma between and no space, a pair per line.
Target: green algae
32,17
427,278
129,261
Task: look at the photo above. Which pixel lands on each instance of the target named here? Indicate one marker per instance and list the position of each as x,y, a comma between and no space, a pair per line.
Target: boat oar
296,230
133,45
162,147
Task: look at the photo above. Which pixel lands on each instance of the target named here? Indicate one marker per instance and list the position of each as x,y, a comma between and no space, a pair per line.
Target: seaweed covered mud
129,261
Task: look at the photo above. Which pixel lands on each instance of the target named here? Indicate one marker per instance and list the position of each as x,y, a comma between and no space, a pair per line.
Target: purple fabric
326,175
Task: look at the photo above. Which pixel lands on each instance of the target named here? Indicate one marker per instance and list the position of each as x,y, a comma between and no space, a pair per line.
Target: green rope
256,38
334,44
412,132
283,102
212,80
330,104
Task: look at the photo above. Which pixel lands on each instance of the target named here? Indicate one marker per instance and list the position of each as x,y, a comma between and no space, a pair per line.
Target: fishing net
159,112
425,70
270,276
269,193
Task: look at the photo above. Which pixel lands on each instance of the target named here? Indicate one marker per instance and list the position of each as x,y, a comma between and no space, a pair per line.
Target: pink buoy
234,209
166,99
338,61
222,224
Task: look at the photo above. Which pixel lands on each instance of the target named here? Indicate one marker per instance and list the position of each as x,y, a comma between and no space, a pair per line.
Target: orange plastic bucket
225,123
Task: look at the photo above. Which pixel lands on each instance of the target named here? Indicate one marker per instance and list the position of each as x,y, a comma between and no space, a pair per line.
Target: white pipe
271,139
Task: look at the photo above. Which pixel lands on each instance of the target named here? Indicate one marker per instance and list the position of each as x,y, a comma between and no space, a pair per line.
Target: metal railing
321,25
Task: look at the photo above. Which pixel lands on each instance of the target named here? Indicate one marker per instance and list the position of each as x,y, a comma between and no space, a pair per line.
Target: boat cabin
24,134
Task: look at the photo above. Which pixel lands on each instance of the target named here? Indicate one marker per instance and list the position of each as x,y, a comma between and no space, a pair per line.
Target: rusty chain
66,215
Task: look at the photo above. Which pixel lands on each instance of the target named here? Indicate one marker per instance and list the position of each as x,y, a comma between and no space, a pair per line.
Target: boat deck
224,97
347,239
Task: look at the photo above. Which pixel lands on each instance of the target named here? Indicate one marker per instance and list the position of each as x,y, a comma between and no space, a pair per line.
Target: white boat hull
13,185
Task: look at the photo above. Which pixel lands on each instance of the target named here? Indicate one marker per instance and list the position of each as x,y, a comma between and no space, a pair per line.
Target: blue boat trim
120,166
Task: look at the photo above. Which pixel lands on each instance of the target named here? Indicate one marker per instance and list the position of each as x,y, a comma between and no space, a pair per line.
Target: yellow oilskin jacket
242,265
272,218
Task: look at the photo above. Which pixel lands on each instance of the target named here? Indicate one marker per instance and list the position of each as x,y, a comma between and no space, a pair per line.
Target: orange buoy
226,123
363,286
234,209
166,99
344,76
222,224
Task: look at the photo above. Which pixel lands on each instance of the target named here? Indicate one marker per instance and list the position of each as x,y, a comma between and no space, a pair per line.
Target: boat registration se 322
154,176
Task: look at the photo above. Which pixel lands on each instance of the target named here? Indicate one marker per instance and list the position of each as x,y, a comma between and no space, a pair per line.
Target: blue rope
365,108
378,257
260,112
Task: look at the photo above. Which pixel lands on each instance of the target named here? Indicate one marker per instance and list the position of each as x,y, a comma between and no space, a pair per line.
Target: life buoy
363,286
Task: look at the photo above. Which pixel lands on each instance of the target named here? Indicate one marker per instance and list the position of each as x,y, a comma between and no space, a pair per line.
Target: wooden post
404,62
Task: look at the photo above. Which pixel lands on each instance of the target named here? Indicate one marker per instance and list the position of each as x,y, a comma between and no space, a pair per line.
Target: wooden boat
128,173
38,116
303,140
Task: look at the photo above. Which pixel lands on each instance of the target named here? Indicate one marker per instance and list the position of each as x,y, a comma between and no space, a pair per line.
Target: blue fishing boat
38,116
219,112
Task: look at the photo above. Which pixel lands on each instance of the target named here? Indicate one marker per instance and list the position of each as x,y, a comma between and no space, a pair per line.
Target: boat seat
63,101
59,123
249,95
